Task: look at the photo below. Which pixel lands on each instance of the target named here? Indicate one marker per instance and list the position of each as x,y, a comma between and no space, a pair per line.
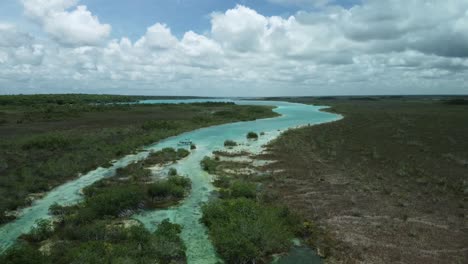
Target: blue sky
180,15
131,18
237,48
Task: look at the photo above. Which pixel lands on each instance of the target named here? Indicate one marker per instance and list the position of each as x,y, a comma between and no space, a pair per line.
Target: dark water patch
300,255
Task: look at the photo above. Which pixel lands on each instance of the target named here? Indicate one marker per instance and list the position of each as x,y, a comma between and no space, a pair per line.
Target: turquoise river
187,213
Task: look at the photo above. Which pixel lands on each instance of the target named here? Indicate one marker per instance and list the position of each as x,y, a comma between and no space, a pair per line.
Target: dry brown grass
388,181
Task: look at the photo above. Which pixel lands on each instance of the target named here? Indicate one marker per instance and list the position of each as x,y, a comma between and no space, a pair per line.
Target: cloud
243,30
158,36
302,3
18,48
376,47
196,45
10,36
75,27
239,29
431,27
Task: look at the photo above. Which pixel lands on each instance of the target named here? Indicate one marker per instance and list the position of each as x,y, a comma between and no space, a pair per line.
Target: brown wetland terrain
386,184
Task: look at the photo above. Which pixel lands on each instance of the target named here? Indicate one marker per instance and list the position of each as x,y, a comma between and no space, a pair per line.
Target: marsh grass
391,167
49,139
96,230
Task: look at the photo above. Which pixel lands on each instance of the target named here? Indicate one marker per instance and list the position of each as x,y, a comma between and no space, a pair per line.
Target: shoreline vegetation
387,183
50,139
243,224
99,229
249,224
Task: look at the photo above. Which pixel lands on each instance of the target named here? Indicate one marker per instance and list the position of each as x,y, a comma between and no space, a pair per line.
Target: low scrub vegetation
209,164
102,241
458,101
244,231
99,230
134,180
252,135
244,228
49,139
230,143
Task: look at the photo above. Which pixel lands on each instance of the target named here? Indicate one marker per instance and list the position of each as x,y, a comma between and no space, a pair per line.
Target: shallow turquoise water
185,101
199,248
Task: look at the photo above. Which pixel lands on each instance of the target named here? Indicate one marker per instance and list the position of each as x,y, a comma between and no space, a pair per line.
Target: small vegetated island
49,139
230,143
252,135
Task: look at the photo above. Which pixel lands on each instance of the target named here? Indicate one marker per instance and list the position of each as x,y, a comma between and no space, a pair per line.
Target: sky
234,48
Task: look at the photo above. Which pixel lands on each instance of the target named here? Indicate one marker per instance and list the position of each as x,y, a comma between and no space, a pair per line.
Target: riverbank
99,228
199,248
385,184
51,139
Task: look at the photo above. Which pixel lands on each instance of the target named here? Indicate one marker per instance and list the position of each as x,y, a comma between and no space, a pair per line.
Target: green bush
177,191
252,135
167,243
4,218
459,101
111,201
41,231
209,165
172,172
57,209
244,231
243,189
48,141
230,143
222,181
159,190
159,124
107,243
226,114
23,253
174,186
136,171
179,181
182,153
166,155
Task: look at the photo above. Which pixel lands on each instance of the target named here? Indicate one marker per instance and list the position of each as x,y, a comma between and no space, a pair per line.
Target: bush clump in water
230,143
209,165
252,135
175,186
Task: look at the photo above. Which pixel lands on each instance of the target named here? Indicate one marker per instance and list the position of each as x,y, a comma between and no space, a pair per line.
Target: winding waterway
188,213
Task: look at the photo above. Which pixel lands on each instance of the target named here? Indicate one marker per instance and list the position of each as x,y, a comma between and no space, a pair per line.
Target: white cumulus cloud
158,36
302,3
376,47
66,22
